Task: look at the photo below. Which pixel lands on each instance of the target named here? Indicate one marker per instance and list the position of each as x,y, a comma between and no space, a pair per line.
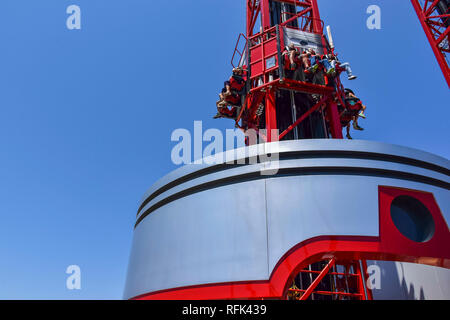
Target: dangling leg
220,105
348,132
348,69
355,124
361,114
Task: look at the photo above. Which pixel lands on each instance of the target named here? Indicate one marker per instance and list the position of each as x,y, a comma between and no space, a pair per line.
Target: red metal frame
366,276
436,31
236,49
346,285
319,278
390,245
303,117
267,44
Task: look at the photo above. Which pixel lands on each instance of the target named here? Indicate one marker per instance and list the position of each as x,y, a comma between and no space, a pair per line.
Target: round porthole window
412,219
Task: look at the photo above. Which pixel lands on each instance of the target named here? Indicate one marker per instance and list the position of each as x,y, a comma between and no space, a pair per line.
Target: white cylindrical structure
232,231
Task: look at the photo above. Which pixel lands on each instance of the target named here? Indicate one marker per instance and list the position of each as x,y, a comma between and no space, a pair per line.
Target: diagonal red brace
304,116
318,279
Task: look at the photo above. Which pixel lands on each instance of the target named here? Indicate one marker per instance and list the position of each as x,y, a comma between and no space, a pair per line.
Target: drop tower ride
314,229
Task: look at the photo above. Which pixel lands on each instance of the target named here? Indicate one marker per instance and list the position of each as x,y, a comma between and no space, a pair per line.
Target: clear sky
86,117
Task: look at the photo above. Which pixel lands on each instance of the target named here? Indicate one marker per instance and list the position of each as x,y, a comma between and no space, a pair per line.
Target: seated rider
314,60
305,57
331,65
355,108
293,63
335,65
351,96
231,94
316,71
327,62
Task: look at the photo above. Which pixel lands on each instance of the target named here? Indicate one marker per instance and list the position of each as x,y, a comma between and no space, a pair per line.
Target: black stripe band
301,155
381,173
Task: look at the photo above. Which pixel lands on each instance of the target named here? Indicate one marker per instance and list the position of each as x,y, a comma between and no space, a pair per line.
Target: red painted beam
438,52
317,24
335,120
265,14
271,115
317,280
303,117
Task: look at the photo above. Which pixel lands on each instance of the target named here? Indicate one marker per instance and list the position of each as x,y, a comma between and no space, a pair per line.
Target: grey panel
303,39
214,236
409,281
301,208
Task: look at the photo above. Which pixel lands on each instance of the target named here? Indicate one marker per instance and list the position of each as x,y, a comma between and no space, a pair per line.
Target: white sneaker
362,115
352,77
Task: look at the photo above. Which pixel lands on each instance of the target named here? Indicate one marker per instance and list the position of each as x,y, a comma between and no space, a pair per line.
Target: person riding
352,95
291,57
305,57
314,60
331,65
353,106
231,94
293,63
336,64
327,62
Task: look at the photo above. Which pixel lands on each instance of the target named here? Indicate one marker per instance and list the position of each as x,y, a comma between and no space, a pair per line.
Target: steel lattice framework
264,42
434,18
265,80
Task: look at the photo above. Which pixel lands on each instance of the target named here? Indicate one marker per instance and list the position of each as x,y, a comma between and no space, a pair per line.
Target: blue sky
86,117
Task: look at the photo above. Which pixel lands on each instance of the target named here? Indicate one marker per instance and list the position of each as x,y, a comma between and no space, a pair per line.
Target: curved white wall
213,224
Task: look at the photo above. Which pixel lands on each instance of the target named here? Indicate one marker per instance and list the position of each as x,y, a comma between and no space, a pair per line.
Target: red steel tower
434,17
298,109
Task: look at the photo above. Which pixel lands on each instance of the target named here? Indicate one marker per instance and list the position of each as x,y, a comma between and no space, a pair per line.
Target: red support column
253,11
249,17
435,41
317,24
271,115
360,281
366,276
335,122
265,14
